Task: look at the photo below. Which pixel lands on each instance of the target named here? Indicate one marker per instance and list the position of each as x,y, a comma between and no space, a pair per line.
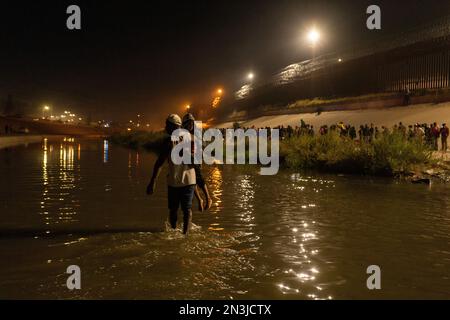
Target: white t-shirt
180,175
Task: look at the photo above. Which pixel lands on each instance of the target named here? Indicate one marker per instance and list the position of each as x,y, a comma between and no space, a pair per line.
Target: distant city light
45,109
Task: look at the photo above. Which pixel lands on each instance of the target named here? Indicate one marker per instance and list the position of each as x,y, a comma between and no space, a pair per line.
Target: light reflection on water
59,183
105,151
292,236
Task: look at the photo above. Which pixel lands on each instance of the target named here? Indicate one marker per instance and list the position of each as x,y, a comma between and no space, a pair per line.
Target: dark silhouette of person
181,178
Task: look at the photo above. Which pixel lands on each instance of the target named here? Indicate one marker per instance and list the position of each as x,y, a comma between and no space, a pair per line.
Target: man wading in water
181,179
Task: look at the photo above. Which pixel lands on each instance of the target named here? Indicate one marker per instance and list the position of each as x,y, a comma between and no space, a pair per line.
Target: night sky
155,57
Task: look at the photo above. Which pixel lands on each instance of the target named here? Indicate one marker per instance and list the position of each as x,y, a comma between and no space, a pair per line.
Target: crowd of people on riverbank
430,134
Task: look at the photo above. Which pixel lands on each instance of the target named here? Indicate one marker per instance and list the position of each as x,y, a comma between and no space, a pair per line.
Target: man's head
188,122
173,122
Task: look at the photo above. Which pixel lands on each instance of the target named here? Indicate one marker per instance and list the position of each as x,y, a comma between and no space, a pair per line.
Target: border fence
417,59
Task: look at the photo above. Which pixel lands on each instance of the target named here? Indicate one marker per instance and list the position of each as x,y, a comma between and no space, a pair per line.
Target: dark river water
289,236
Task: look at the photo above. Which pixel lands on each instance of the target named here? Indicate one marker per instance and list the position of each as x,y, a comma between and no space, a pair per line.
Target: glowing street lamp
188,107
44,110
217,98
250,76
313,36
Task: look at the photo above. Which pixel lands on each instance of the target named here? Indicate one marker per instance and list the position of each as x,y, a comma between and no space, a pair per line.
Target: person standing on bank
181,179
444,137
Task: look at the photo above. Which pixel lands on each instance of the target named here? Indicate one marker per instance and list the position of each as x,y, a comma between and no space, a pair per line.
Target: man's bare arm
156,171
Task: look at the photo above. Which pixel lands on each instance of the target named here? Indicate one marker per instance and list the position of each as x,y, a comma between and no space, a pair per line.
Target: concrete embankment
44,127
421,113
11,141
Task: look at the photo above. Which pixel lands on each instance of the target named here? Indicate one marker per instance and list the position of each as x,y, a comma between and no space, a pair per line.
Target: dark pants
180,196
435,143
444,143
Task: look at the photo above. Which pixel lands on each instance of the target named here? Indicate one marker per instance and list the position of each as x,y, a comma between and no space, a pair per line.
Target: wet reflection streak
105,151
215,184
57,204
303,273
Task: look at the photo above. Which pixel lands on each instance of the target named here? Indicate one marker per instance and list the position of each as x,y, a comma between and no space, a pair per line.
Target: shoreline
389,156
18,140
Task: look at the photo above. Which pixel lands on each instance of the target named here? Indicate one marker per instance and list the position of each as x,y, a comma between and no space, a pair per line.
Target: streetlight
313,37
188,107
250,76
217,98
45,109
